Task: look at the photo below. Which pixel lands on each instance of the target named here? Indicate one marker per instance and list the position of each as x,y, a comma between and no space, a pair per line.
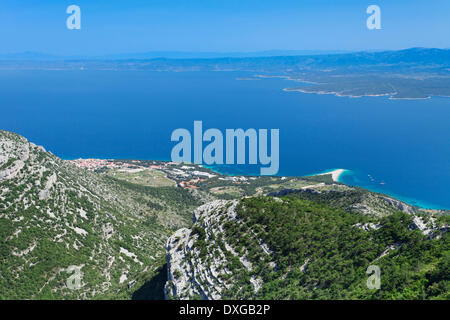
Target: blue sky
126,26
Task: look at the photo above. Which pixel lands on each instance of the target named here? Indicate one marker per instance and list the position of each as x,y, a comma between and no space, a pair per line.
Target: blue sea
398,147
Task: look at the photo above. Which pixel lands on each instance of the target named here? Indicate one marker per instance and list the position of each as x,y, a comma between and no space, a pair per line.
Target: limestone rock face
400,205
187,276
54,215
223,255
199,272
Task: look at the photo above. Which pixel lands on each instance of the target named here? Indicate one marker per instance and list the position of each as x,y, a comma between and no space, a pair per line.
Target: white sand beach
335,174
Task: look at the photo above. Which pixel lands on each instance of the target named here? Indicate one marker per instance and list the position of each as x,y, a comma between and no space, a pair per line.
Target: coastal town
203,180
189,176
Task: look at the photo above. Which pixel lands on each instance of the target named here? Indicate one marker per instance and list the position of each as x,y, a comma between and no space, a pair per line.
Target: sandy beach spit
335,174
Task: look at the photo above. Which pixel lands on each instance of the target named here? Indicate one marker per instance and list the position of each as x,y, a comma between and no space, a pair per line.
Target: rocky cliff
59,222
292,248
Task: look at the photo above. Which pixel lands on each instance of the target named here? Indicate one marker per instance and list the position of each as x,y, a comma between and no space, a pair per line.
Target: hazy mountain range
32,55
415,73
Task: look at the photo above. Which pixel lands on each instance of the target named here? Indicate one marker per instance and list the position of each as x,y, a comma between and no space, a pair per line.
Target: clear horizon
196,54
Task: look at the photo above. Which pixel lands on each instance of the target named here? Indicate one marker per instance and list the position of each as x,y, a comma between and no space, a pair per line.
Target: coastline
391,95
336,174
421,204
340,95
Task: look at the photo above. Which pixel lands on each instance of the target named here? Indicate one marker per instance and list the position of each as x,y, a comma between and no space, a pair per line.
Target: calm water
403,145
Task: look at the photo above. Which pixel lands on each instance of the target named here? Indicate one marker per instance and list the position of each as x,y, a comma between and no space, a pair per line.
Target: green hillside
151,230
54,215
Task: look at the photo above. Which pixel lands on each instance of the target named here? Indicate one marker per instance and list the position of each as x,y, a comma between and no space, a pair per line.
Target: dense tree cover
349,199
317,252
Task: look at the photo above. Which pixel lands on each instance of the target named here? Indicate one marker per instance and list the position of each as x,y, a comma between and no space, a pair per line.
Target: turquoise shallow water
359,179
356,179
399,147
352,178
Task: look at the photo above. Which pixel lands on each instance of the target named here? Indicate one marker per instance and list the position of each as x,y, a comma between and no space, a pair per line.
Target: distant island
416,73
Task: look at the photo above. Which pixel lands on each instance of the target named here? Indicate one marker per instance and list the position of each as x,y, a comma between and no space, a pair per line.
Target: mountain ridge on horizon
175,54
